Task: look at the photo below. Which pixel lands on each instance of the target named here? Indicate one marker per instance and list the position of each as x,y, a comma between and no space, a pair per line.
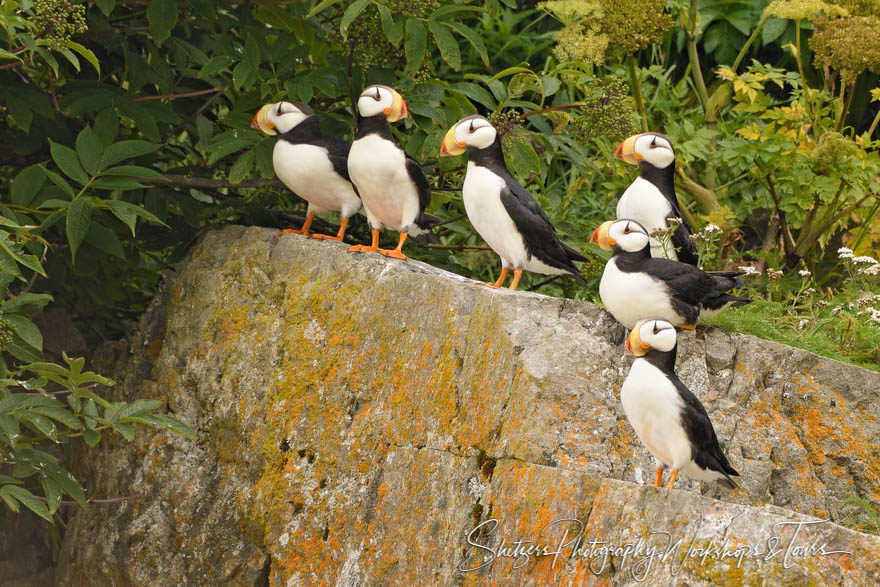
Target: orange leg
343,224
672,478
501,278
687,326
365,248
658,477
517,274
396,252
305,227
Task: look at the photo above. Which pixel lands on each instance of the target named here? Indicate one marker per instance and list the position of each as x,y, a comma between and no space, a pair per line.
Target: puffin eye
653,143
626,229
378,96
472,129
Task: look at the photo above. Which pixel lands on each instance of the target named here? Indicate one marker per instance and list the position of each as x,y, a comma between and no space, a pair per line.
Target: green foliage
864,518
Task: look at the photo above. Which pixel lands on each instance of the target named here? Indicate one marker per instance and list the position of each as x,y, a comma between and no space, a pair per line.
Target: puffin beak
634,345
449,145
626,151
600,236
398,109
261,122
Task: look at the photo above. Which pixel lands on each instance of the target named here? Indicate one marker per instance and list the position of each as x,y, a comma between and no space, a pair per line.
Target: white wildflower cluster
874,314
864,259
710,228
748,270
810,291
844,253
774,274
804,273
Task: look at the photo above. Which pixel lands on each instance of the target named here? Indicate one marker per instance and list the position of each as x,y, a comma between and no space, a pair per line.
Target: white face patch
375,100
629,235
285,116
475,132
660,334
654,149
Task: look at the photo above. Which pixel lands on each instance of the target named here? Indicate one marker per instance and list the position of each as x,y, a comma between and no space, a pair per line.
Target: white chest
481,193
378,169
653,407
633,296
644,203
308,172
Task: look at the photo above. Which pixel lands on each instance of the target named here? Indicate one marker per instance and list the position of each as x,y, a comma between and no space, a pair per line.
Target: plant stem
704,197
846,104
749,41
637,91
874,124
806,89
694,58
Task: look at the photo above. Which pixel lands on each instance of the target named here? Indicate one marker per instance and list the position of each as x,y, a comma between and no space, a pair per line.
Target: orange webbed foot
290,231
362,249
393,253
672,479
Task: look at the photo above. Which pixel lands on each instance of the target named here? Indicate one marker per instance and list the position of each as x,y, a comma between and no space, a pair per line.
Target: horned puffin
502,211
635,285
650,199
310,163
667,417
392,185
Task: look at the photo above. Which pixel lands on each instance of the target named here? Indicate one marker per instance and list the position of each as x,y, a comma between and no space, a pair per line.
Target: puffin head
378,99
471,131
650,333
280,117
650,147
626,235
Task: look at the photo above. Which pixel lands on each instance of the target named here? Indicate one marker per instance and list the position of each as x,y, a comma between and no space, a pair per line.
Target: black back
664,179
706,451
530,219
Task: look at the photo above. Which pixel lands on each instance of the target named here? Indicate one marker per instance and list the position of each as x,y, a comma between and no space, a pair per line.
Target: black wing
681,240
418,177
686,282
701,434
540,237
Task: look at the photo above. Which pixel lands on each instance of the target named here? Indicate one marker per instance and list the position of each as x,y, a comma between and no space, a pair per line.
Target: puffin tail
422,230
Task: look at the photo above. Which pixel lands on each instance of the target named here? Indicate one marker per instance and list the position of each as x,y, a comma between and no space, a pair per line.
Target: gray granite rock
358,417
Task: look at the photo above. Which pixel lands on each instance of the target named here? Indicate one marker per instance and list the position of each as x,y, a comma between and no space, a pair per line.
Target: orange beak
634,345
600,236
450,146
261,121
626,151
398,110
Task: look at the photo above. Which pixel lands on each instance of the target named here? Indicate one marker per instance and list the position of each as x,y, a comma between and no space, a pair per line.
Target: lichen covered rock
358,417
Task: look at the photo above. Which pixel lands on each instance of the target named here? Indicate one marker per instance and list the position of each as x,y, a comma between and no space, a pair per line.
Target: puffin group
652,285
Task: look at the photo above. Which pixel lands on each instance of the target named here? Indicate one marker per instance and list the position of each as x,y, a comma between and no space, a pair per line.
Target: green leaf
351,13
105,240
61,415
392,29
79,217
241,167
58,181
476,93
52,491
773,29
415,44
134,171
67,482
177,426
86,53
29,500
125,430
138,407
89,149
69,55
126,150
25,299
240,74
473,38
215,65
7,497
129,213
5,479
117,183
9,262
26,329
323,5
447,44
524,160
67,161
105,6
26,185
42,424
252,51
162,16
9,55
10,433
92,437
